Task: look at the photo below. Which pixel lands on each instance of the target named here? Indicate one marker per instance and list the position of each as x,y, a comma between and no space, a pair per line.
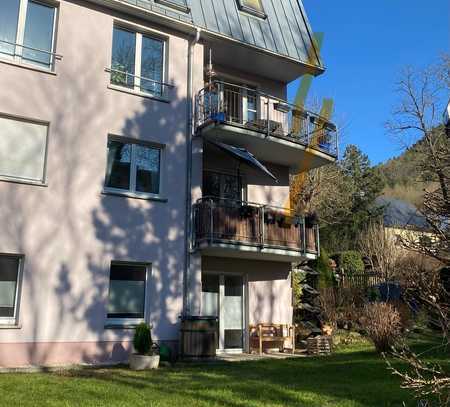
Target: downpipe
189,134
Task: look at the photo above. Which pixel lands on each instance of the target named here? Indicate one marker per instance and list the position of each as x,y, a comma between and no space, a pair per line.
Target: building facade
127,189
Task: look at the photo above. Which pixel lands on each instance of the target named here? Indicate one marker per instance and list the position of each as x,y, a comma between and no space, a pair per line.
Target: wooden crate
319,345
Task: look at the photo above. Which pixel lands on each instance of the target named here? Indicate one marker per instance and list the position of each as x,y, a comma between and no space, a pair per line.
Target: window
138,62
27,31
223,186
134,168
179,5
23,146
9,283
127,290
254,7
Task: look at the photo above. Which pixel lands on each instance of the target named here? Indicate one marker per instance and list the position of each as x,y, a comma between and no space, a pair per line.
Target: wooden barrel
199,337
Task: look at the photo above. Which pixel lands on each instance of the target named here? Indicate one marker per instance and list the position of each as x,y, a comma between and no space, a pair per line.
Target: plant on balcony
269,217
247,211
280,219
311,220
288,221
297,221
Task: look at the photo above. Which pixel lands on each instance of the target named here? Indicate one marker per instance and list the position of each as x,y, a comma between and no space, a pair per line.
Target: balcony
231,228
271,128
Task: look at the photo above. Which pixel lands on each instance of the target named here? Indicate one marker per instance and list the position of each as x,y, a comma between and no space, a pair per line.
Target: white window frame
131,321
138,60
131,192
14,319
174,5
20,36
20,180
253,11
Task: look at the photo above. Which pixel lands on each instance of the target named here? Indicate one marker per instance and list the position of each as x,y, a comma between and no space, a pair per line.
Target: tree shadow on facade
70,231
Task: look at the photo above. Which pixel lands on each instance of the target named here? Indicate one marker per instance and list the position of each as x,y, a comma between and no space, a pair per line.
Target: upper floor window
138,62
223,186
180,5
27,32
253,7
133,168
23,149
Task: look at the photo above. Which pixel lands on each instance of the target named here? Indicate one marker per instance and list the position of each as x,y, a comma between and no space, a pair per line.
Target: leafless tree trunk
381,249
424,95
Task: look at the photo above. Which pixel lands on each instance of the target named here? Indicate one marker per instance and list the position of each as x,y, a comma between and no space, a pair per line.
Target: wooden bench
273,333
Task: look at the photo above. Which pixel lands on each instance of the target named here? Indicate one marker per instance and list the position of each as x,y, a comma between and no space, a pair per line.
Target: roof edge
190,28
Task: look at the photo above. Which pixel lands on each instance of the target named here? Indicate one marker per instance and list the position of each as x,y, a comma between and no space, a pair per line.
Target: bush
142,340
322,265
381,322
351,262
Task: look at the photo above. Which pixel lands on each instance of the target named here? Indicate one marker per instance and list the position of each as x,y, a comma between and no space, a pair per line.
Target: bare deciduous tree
419,117
381,249
424,95
322,190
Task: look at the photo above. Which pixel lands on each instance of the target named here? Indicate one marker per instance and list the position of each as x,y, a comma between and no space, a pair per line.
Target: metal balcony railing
225,221
248,108
35,56
141,84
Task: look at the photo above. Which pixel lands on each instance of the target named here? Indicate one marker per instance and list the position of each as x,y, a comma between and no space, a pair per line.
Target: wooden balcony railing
248,108
223,221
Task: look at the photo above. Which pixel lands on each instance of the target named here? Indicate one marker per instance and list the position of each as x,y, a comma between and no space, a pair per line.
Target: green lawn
353,376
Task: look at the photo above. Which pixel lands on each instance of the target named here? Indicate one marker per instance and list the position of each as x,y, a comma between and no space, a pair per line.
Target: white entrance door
223,297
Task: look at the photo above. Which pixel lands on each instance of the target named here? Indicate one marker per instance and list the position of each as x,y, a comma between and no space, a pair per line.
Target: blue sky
366,44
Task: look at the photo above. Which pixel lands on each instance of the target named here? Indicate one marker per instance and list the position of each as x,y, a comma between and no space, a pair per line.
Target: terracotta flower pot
144,362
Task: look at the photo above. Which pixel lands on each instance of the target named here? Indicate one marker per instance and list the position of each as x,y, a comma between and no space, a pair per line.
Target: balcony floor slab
276,149
250,252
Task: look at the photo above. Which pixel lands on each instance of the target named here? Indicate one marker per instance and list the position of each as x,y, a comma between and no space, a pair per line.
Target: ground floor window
9,284
127,292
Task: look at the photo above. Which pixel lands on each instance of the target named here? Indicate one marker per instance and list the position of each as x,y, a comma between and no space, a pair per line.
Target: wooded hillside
402,176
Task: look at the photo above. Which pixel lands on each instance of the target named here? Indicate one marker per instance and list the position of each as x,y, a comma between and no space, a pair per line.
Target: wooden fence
361,280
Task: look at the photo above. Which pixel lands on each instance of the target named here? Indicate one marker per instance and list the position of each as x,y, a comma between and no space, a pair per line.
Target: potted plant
311,220
144,358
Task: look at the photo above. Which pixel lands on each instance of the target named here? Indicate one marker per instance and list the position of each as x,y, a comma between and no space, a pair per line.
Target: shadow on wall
69,232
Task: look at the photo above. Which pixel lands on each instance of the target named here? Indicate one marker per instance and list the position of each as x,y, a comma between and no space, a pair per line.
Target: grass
354,376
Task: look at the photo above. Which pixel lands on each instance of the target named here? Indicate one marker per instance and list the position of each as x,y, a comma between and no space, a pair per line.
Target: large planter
143,362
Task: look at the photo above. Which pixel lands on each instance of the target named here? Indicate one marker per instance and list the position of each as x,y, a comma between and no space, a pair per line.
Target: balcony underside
277,149
252,252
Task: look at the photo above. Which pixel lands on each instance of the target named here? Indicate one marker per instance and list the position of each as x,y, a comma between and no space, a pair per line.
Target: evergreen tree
365,183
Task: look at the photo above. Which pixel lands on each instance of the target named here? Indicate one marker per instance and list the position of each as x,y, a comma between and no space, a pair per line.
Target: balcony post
211,223
268,116
304,235
262,226
194,227
308,129
220,98
317,240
